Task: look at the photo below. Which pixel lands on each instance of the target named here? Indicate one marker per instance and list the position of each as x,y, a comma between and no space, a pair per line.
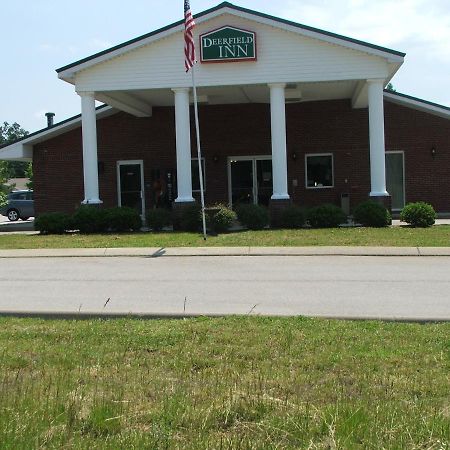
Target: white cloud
403,24
420,28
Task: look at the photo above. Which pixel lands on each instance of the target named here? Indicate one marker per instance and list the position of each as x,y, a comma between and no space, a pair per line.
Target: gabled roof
417,103
311,31
71,122
21,149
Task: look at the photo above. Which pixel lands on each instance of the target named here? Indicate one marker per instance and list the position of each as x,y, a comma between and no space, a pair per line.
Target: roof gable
67,72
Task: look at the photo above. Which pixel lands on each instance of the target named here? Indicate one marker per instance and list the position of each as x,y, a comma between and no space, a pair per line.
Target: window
195,175
319,170
18,196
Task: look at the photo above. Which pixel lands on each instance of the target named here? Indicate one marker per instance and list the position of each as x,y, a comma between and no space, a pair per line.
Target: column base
276,207
178,207
93,202
385,200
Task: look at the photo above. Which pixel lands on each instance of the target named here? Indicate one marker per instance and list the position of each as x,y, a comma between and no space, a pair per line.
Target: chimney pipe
50,117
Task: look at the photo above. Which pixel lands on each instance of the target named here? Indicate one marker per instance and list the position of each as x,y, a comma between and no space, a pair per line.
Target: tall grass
223,383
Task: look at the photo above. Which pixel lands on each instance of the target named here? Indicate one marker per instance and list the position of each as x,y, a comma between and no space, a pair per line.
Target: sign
228,44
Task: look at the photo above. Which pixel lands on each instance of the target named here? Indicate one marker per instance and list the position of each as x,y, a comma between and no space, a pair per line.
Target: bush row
89,219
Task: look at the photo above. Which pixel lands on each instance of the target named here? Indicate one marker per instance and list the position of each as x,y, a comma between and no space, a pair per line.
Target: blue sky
41,35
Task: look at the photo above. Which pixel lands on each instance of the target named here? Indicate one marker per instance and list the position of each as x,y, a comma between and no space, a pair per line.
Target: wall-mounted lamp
294,156
433,152
216,158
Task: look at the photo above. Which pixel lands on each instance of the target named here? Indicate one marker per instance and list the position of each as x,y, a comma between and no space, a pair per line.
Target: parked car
20,206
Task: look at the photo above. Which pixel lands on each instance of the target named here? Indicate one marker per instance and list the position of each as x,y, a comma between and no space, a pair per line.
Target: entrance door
395,179
250,180
130,179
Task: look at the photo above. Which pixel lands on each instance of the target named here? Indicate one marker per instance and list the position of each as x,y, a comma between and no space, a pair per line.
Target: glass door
242,189
395,182
264,181
250,180
130,176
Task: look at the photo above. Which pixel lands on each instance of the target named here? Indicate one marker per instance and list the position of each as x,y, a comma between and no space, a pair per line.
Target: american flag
189,45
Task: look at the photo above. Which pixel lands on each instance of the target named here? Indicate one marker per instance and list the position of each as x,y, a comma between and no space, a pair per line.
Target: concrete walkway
225,251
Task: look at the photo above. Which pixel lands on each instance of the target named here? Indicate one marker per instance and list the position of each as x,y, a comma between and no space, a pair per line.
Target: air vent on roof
50,117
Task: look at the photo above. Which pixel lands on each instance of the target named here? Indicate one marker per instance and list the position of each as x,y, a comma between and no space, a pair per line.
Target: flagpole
199,152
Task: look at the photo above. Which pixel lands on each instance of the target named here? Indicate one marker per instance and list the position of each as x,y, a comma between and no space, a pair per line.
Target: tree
3,179
390,87
9,169
10,133
29,175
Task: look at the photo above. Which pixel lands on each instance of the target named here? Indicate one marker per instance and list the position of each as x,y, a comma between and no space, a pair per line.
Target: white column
278,126
90,165
376,137
183,139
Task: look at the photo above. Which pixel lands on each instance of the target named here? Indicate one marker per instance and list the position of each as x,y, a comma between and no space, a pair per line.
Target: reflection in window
319,171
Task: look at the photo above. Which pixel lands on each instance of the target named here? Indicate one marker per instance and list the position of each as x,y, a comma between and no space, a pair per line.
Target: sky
40,36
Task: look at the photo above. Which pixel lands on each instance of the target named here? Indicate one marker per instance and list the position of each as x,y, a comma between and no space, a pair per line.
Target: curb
62,315
225,251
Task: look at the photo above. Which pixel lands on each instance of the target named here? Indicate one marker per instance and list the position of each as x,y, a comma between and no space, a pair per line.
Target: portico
289,114
280,63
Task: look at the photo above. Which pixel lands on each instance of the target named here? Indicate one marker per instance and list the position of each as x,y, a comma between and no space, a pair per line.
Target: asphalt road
357,287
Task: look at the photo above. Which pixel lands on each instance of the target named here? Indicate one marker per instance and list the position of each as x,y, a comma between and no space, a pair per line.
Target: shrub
158,218
191,218
222,218
52,223
123,219
372,214
292,217
253,217
90,219
418,214
3,199
326,216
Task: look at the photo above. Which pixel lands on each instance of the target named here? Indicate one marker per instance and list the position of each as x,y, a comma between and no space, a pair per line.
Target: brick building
291,114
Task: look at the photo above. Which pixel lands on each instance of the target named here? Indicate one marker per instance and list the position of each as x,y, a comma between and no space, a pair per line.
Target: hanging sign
228,44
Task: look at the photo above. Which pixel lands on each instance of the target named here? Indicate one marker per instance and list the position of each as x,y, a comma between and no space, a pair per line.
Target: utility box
345,203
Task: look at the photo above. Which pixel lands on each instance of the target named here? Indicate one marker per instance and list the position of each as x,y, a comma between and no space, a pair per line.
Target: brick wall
240,130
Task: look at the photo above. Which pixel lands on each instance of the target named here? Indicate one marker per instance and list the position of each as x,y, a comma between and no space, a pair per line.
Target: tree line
12,169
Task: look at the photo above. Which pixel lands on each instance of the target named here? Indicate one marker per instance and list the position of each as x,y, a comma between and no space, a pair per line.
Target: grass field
235,383
437,236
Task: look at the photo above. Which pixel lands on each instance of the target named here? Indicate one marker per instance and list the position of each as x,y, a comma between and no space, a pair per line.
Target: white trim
404,176
127,103
17,152
418,105
253,159
306,170
127,163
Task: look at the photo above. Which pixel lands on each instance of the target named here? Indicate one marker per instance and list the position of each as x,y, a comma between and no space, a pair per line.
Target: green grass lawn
224,383
437,236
